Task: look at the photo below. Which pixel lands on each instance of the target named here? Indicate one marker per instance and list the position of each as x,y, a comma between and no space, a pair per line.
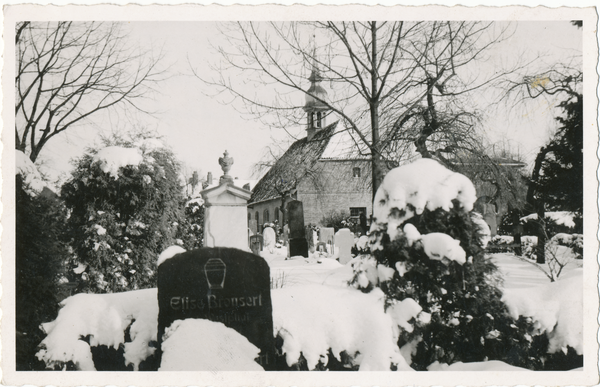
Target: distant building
329,172
490,202
325,171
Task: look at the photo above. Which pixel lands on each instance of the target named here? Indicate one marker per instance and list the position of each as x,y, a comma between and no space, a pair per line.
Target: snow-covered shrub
350,325
556,309
501,244
572,241
31,180
39,256
103,319
423,230
125,207
560,250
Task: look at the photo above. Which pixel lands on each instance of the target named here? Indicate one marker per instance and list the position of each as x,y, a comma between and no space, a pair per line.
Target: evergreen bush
120,224
469,322
39,258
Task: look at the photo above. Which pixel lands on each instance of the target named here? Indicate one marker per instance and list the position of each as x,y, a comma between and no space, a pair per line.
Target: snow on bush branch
104,318
30,174
409,189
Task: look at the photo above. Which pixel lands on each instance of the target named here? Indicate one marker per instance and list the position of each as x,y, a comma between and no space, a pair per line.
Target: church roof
293,165
345,145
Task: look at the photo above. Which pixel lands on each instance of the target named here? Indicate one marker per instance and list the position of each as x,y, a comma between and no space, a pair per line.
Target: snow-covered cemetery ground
317,310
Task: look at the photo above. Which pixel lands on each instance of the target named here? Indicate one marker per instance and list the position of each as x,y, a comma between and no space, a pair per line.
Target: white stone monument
344,240
226,218
269,239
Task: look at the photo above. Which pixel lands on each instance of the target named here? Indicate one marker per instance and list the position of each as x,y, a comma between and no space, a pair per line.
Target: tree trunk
283,211
541,246
517,231
377,164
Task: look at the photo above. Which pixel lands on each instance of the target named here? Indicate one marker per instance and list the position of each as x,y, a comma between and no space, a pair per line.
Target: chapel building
325,170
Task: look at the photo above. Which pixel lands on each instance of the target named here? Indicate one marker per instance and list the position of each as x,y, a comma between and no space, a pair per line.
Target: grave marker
298,244
226,214
269,239
326,235
220,284
256,243
344,240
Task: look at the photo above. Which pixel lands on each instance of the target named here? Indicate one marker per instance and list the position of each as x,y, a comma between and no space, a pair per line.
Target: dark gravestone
298,244
220,284
296,219
298,247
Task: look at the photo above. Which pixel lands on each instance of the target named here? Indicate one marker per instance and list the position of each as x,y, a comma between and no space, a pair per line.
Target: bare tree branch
69,71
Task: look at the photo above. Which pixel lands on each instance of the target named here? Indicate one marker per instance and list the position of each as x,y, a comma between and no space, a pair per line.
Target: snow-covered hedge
33,182
344,320
104,318
556,310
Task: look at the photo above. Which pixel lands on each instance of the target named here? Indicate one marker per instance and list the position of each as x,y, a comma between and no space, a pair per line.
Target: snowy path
301,271
304,271
521,274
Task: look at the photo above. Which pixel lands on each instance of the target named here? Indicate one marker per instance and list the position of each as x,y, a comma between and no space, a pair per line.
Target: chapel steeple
315,108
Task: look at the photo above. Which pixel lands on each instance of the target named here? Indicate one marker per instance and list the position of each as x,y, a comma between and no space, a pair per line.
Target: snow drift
203,345
104,318
312,319
556,309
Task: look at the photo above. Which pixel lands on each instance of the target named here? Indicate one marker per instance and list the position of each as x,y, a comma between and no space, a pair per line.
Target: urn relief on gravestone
220,284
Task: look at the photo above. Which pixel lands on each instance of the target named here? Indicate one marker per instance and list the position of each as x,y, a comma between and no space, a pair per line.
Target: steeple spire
315,107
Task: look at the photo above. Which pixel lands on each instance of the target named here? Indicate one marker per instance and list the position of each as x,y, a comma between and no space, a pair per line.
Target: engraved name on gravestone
220,284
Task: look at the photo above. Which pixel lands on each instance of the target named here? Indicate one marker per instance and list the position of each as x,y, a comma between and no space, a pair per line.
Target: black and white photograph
194,195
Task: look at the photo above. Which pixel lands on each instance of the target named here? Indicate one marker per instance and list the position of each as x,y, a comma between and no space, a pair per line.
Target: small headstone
286,235
489,215
256,243
220,284
297,241
269,239
310,238
344,240
326,235
321,249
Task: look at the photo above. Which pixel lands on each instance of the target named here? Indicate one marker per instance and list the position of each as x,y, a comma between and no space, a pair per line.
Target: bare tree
69,71
557,80
395,85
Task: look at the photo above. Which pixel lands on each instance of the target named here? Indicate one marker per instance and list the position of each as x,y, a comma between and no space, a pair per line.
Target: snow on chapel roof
344,145
300,157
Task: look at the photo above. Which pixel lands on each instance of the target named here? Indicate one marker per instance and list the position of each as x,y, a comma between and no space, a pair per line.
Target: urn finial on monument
226,162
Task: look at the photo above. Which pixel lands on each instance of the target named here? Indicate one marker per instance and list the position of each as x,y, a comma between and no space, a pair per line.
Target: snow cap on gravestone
409,189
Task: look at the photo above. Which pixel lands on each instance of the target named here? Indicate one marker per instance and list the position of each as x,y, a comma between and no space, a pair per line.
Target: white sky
199,129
